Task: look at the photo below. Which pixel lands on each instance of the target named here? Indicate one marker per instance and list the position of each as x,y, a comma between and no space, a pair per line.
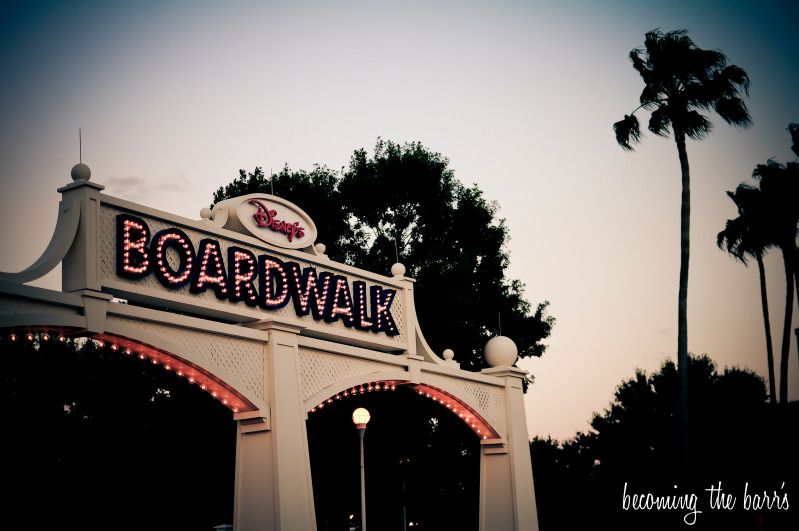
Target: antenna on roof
396,252
272,180
499,322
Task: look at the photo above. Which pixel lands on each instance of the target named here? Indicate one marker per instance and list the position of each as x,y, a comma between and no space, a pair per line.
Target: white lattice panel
107,245
489,401
319,370
242,359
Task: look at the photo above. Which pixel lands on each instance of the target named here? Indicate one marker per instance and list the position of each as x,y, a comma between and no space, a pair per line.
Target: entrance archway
246,304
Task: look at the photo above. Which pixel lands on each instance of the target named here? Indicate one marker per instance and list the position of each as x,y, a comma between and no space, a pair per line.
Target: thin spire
272,180
80,146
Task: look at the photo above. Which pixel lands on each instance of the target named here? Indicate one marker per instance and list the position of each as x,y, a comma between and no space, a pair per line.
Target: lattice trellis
319,370
489,401
107,247
242,359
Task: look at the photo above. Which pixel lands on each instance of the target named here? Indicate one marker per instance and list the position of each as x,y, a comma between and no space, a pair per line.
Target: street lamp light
360,417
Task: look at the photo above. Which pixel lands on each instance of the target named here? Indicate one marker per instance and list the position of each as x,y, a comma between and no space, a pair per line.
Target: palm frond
732,237
628,132
771,170
681,81
660,121
694,125
736,77
733,111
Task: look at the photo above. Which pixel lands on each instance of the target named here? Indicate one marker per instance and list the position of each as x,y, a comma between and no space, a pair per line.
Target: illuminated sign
266,217
269,218
239,275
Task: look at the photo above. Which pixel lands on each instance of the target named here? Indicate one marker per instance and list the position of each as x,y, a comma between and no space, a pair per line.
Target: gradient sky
520,96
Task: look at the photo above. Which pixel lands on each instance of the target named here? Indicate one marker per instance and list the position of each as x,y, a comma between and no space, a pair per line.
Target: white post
361,432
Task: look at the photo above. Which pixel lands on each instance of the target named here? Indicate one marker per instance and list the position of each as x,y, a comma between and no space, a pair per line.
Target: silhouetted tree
748,235
736,436
793,129
405,201
680,80
779,184
97,439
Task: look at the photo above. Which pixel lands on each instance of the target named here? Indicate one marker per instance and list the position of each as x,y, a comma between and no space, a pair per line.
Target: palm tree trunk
682,302
786,328
772,384
795,269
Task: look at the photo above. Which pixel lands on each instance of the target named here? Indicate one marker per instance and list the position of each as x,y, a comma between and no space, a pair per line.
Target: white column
254,492
273,467
507,495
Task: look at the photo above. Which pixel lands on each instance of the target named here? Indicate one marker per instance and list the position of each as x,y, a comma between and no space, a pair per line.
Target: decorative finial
500,351
81,172
205,213
448,354
398,270
320,248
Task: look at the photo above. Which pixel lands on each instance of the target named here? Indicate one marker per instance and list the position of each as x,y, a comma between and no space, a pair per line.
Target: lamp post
361,417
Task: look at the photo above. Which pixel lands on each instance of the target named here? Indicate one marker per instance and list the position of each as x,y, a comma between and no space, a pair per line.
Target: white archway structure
159,286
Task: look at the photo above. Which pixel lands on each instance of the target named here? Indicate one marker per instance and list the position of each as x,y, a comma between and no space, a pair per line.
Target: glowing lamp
360,417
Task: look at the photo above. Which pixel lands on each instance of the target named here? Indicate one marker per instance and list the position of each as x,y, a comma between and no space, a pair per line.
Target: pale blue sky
520,96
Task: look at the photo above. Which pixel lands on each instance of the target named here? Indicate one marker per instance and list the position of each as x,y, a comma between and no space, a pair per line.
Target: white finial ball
398,270
500,351
448,354
81,172
205,213
320,248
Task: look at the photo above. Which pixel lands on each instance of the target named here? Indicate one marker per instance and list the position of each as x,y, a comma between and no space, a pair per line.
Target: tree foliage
447,235
96,439
680,81
735,435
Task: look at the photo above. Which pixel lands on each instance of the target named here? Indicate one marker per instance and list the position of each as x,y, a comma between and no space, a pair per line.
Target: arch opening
104,440
127,347
422,462
456,406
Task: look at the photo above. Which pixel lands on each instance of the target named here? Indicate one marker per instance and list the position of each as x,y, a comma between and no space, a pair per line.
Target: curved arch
156,351
66,226
466,411
174,357
331,391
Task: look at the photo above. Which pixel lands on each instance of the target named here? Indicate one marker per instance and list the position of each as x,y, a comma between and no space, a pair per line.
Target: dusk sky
519,96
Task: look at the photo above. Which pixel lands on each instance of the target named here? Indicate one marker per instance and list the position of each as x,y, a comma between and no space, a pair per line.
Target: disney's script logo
265,217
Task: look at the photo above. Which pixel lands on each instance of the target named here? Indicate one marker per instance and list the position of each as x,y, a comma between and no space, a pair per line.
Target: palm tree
680,80
745,236
780,186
